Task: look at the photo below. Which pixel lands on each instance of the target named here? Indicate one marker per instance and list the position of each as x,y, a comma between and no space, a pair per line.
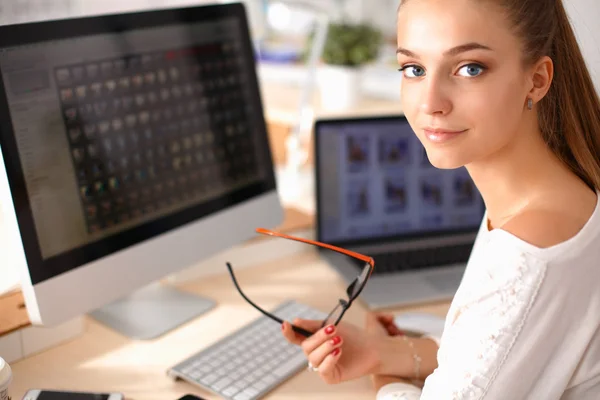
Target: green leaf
349,45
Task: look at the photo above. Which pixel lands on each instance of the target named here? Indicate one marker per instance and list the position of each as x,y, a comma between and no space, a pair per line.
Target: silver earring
530,104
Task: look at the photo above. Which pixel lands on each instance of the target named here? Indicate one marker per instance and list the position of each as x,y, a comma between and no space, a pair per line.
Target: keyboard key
236,375
196,374
289,366
251,391
269,379
205,368
260,386
230,391
241,385
221,384
208,379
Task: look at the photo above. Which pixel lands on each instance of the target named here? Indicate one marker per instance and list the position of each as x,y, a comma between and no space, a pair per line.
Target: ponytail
569,115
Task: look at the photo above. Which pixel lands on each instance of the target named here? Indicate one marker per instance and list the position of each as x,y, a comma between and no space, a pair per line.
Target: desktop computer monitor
132,146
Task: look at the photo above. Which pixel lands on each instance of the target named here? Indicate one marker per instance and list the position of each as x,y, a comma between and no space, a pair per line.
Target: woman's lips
441,135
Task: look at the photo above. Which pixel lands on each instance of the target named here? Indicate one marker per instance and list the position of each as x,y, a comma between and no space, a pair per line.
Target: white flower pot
339,87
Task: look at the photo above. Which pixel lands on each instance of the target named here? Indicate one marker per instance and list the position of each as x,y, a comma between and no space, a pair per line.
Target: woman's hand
341,353
382,324
397,360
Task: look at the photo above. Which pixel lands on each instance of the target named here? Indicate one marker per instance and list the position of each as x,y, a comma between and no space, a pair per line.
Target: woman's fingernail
329,330
336,351
283,326
336,340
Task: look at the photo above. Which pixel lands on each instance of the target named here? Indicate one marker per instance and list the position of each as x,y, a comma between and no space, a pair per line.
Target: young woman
501,87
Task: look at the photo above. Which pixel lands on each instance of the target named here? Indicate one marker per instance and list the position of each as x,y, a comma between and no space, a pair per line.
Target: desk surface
103,360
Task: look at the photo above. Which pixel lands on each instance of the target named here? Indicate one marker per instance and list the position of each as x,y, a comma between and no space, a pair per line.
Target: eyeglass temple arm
296,329
350,253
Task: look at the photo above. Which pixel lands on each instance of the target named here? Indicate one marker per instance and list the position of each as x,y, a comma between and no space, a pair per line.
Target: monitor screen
116,129
375,181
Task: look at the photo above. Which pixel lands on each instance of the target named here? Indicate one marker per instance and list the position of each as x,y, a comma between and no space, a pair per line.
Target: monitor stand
152,311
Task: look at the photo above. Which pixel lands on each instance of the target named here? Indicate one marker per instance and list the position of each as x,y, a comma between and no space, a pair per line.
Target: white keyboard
250,362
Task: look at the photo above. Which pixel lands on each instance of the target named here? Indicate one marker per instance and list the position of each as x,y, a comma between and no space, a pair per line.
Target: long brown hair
569,114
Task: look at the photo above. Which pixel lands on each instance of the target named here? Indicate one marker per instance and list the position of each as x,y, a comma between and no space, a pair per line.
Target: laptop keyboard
419,259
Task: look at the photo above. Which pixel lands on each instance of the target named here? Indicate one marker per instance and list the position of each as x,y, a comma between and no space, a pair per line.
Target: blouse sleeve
399,391
507,326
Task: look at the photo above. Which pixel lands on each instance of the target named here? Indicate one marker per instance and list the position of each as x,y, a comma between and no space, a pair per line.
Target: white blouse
524,323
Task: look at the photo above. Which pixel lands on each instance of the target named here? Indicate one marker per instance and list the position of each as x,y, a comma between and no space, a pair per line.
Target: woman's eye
471,70
412,71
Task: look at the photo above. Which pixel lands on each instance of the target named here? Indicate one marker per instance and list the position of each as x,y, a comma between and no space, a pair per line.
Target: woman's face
464,88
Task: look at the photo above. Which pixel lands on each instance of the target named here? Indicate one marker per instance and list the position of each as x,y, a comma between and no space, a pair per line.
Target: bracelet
416,357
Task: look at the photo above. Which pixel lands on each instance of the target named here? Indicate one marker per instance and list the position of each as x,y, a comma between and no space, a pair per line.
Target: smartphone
40,394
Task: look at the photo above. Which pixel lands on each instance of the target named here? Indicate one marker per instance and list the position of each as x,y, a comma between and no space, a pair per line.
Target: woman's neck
519,175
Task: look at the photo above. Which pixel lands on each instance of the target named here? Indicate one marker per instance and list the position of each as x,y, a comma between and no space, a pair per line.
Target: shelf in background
13,314
281,87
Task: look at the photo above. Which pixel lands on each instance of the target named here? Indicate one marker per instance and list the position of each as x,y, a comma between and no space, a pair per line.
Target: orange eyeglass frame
345,304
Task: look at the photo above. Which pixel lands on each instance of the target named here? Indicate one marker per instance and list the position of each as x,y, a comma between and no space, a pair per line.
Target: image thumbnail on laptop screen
375,181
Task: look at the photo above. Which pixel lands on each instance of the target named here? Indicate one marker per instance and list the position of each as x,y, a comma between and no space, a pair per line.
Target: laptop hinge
413,244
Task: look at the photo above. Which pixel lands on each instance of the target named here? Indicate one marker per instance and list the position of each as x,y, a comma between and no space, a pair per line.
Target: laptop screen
375,182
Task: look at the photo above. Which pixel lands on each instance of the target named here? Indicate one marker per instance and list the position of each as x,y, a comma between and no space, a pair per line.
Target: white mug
5,379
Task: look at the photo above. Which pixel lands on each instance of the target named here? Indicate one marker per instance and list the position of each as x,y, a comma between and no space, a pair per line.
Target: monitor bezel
37,32
381,239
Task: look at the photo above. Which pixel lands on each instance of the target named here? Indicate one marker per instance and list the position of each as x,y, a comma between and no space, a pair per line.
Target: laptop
378,194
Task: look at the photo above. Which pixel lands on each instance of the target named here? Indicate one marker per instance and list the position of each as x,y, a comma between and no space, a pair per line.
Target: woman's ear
542,73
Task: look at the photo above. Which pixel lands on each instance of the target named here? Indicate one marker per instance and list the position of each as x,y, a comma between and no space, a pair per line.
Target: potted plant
347,48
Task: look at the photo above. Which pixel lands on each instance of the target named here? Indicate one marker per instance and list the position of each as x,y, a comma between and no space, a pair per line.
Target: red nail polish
336,352
329,329
336,340
282,326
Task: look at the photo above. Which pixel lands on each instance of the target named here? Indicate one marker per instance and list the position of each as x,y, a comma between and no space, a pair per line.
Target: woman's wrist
394,359
411,358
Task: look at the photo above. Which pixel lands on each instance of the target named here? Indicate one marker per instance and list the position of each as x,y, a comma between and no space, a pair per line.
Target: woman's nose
435,99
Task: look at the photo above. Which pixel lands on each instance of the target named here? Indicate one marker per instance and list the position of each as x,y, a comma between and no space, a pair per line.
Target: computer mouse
420,323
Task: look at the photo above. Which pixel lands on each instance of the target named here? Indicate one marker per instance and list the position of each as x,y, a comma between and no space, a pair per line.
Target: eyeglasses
353,290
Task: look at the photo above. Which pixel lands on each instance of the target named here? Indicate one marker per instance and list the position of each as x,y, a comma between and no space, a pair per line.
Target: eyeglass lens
359,282
334,315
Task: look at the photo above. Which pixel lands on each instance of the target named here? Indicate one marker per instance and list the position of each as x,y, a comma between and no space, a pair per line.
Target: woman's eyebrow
451,52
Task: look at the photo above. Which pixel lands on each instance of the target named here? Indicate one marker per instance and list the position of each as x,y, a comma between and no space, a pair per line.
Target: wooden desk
103,360
13,314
